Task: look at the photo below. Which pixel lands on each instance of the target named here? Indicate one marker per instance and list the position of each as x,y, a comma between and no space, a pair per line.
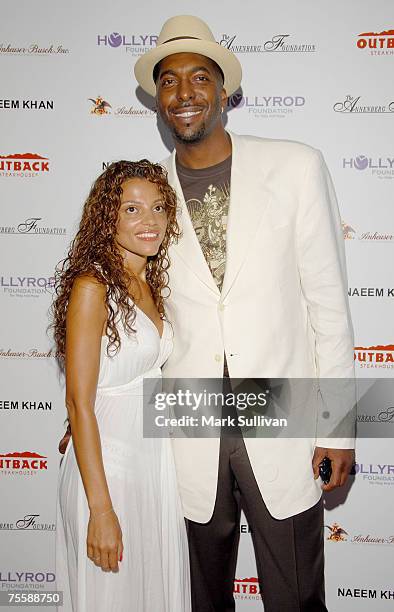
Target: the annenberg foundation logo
136,44
33,49
31,353
29,522
26,579
31,227
23,463
380,474
377,43
379,356
379,167
338,534
271,107
381,416
279,43
101,107
352,105
349,233
25,405
27,286
247,588
23,165
25,104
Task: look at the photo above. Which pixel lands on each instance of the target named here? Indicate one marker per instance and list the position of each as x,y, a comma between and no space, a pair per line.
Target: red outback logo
20,461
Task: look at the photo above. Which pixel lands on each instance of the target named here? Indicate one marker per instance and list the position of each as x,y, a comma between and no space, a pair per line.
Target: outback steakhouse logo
376,40
20,163
23,461
378,356
247,588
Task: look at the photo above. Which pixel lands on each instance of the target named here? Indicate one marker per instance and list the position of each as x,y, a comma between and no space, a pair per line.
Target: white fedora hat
188,34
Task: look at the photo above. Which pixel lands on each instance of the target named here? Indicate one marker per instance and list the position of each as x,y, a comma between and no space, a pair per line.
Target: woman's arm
85,325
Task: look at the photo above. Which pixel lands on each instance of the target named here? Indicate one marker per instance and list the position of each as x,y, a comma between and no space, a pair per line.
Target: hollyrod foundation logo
247,588
31,227
379,167
7,48
136,44
376,473
23,165
353,105
103,108
379,356
266,106
279,43
377,43
27,286
29,522
24,463
25,579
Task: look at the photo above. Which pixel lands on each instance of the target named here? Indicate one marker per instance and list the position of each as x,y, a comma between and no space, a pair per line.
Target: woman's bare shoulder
88,284
88,292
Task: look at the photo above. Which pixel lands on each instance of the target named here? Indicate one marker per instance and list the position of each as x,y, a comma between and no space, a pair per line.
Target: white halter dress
154,573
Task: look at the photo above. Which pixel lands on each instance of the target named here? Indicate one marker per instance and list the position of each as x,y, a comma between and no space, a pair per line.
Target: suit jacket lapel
188,247
249,197
248,202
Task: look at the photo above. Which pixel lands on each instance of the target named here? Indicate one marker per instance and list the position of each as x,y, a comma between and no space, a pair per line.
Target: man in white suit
258,289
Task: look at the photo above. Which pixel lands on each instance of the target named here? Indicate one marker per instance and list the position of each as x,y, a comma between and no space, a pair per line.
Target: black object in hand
325,470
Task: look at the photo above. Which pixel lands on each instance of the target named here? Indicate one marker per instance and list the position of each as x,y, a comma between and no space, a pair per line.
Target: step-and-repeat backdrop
320,73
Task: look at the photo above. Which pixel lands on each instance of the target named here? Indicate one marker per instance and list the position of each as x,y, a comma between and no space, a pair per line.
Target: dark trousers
289,553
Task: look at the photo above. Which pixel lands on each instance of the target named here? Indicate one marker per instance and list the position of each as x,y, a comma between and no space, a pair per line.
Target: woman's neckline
150,321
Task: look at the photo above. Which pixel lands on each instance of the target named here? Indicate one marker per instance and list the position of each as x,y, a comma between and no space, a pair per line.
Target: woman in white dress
121,539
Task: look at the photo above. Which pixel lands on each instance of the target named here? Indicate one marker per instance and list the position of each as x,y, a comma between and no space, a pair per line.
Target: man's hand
342,460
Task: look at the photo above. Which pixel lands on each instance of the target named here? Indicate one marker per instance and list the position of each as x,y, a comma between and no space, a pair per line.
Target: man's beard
191,137
199,133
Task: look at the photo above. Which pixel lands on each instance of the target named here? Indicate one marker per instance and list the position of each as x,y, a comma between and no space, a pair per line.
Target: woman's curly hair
94,251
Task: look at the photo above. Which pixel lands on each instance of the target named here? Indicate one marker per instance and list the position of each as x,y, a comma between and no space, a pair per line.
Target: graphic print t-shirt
207,196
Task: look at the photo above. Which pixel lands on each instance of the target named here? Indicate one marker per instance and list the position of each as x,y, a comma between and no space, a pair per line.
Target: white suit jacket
282,311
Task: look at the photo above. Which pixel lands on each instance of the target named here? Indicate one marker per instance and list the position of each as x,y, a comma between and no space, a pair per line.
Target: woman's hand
104,540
